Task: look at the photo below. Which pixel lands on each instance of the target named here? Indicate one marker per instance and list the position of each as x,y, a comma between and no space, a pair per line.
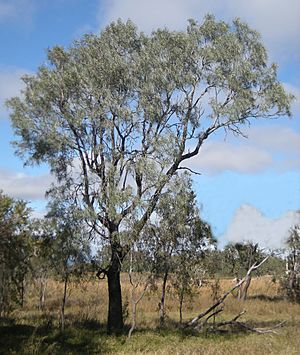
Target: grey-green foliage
177,233
239,257
176,240
116,114
15,251
66,238
64,244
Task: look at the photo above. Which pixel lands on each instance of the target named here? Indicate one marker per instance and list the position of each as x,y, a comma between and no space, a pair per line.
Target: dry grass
36,332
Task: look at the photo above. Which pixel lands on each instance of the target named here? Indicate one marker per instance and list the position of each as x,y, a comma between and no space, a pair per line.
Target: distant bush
291,282
14,252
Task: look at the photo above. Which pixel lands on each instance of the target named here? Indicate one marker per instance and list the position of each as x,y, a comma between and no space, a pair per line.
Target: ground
31,331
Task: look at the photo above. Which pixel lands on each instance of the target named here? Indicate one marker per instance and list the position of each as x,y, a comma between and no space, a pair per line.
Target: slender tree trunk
246,287
134,299
181,297
63,304
162,310
133,318
22,292
239,294
43,284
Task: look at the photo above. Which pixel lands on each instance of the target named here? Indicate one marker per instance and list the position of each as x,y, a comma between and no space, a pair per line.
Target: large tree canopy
117,114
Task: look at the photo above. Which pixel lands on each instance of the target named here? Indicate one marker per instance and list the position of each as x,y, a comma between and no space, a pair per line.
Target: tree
240,256
116,115
140,278
15,251
41,264
176,238
291,281
67,240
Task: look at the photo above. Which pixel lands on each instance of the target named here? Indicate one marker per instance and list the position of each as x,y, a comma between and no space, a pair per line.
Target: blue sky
249,188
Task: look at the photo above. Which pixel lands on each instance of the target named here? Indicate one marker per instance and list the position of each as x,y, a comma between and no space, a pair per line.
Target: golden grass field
37,332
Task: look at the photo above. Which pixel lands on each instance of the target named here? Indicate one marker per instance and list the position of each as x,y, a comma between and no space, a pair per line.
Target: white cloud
296,92
275,138
278,21
10,85
269,147
6,11
216,157
20,185
249,224
149,15
17,11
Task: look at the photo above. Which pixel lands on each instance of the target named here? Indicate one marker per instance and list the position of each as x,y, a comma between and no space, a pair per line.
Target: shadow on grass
89,337
234,331
13,337
266,298
178,330
84,338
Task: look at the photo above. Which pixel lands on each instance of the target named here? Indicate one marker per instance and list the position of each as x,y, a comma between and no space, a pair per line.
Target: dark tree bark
115,321
22,291
115,312
162,309
63,304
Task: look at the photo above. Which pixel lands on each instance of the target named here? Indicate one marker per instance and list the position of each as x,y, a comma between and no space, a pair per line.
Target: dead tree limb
210,316
258,330
238,324
194,321
230,322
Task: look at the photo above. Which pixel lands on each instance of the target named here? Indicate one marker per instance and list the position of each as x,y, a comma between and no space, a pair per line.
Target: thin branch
190,170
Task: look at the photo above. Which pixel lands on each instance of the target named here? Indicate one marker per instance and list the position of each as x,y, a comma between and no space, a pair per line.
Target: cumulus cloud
10,85
292,89
278,21
249,224
21,11
149,15
216,157
20,185
269,147
276,138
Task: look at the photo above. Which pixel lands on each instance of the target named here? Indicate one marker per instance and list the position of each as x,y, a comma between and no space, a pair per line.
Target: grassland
31,331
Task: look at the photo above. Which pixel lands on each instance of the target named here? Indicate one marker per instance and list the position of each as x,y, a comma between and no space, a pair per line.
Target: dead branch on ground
201,321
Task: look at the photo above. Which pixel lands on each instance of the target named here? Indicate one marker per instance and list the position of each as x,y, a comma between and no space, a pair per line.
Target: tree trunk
133,321
22,292
43,284
245,288
62,325
162,310
115,321
181,297
115,312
